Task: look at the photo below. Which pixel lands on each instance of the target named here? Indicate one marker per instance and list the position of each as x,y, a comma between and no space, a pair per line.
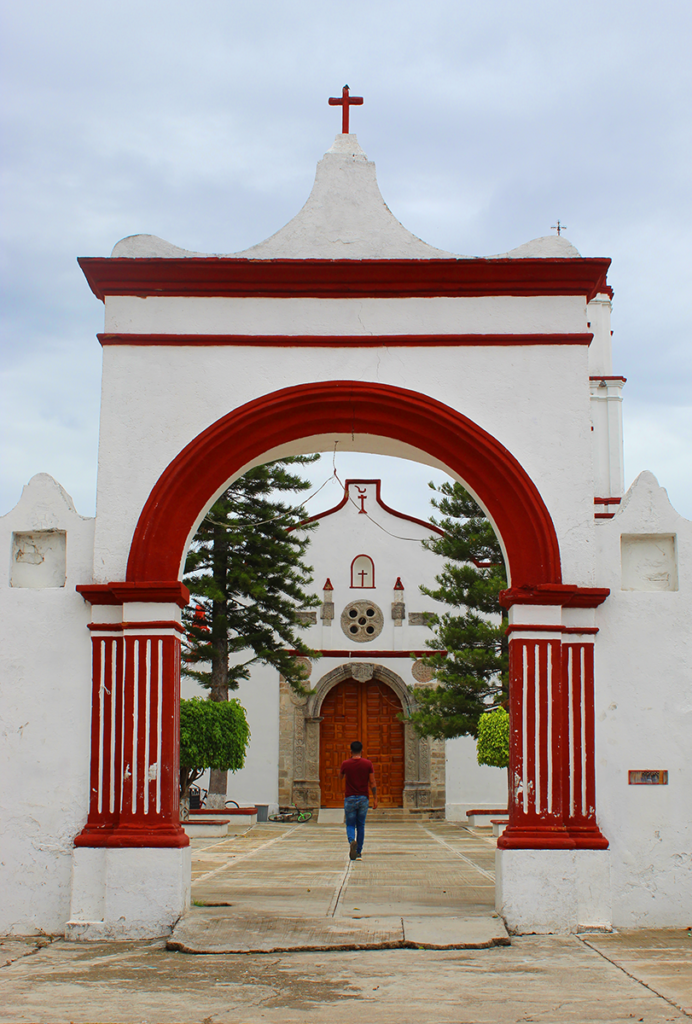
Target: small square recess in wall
38,559
649,562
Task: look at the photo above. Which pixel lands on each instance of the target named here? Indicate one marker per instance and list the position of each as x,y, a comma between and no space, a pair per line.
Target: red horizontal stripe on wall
346,340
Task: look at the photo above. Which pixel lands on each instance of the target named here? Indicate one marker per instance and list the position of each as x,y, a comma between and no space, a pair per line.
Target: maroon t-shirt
357,772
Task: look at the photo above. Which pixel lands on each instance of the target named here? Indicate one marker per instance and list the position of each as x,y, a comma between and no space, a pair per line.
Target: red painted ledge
157,592
323,278
206,811
554,594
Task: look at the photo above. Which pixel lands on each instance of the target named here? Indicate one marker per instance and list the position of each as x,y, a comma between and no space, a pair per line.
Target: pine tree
472,677
246,572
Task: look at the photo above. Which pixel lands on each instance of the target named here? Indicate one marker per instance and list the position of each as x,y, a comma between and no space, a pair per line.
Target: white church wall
471,785
257,781
644,712
142,430
45,696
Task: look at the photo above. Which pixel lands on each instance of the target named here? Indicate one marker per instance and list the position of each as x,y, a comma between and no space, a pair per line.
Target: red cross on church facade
345,102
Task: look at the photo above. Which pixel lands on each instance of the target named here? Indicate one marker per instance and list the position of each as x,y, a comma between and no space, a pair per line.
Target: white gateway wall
533,399
45,701
644,707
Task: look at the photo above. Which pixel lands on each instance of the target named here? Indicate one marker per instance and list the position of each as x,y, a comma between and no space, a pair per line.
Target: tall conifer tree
472,677
248,580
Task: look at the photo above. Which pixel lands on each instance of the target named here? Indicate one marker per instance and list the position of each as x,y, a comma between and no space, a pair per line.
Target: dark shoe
359,856
353,850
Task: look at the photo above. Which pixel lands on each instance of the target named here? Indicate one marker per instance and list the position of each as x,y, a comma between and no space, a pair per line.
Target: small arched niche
362,573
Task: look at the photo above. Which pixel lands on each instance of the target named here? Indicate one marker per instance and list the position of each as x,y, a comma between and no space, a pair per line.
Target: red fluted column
538,769
135,726
578,655
552,774
106,733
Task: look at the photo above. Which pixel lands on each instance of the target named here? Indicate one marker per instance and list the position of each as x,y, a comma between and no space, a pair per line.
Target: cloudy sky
202,123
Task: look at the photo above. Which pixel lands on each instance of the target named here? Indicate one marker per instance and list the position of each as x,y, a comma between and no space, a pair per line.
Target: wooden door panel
365,711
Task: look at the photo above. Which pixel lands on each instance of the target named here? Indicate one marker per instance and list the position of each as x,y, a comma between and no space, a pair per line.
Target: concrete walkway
440,873
283,888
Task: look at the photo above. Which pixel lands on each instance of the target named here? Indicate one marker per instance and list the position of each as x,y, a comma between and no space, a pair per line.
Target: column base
553,891
127,893
587,837
132,836
525,837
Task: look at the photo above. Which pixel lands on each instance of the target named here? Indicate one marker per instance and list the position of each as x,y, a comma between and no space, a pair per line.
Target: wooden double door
366,712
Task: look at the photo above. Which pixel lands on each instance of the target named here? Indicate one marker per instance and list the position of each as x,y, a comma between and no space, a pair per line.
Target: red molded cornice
160,592
321,278
568,596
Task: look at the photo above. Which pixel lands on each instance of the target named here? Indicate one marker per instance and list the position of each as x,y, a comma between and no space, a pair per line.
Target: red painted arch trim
380,502
323,278
343,341
190,482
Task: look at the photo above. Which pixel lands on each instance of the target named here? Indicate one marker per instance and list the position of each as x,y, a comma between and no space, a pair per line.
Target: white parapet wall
45,701
128,893
542,892
644,707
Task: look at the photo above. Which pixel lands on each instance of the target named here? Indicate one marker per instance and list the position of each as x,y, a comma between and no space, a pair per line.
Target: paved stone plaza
283,882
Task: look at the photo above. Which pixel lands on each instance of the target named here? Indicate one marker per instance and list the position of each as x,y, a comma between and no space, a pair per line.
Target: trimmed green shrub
492,747
213,734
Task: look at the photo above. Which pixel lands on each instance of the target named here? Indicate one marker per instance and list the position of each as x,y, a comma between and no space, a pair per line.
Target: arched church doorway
367,712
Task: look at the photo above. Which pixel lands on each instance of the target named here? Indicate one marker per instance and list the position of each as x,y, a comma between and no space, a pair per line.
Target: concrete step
207,930
384,815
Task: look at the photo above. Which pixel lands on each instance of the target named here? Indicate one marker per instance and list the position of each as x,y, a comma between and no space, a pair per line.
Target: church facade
344,328
370,632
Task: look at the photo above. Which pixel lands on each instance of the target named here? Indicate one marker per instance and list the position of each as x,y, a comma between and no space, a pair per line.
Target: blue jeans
355,811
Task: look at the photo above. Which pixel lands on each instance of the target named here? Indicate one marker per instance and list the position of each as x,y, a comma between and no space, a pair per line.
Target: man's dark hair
356,747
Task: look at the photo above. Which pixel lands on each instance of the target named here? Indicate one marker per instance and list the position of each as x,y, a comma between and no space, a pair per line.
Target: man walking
358,773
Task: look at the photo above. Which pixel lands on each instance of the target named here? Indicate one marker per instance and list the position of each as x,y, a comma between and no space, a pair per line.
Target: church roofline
216,276
380,502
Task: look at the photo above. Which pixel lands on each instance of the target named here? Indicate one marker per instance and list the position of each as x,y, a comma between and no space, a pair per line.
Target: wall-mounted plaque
648,778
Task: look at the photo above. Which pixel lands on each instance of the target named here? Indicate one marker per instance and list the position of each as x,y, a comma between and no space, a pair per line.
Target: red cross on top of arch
345,101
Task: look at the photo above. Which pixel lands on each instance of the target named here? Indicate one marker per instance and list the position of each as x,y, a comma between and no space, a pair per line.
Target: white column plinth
127,893
553,891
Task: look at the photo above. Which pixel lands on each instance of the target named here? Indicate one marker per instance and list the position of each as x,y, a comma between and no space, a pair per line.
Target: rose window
362,621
